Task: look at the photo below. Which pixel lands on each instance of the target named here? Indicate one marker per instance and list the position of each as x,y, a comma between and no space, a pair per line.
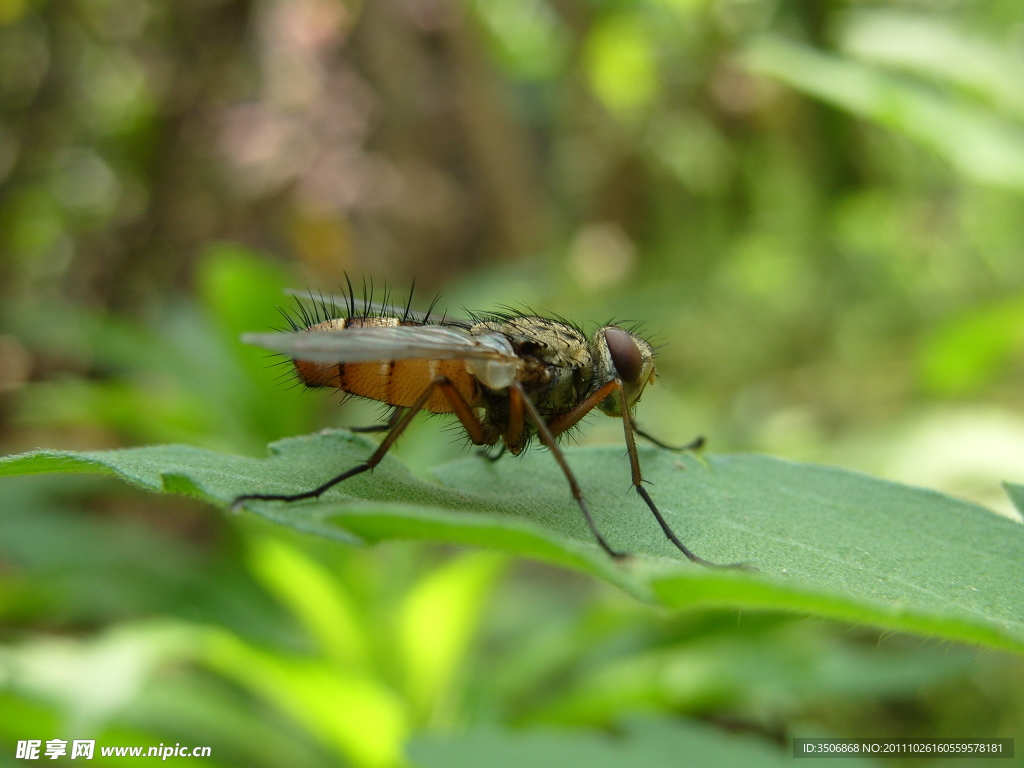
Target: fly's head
619,354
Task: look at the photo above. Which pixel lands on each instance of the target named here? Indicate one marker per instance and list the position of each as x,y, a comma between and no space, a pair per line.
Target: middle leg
520,402
387,425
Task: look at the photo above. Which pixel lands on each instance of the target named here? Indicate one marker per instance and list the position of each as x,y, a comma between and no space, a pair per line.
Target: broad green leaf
824,541
642,742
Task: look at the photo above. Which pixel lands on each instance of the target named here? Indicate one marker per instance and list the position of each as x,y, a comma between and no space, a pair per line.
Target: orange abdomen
398,382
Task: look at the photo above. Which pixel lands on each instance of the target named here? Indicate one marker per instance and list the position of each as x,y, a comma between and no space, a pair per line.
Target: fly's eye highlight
625,354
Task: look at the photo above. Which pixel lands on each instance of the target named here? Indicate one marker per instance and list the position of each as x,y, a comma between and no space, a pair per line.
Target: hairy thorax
557,363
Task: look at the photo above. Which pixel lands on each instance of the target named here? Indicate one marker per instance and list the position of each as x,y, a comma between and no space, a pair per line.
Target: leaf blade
826,541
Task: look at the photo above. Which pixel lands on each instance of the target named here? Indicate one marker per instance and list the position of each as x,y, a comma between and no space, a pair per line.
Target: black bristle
351,297
408,303
430,309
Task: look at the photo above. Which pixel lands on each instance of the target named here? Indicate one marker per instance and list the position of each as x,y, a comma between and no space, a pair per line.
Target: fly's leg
571,417
694,445
389,424
462,409
372,428
638,483
520,402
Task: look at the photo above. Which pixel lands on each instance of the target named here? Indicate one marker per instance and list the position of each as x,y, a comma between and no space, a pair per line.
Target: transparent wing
367,345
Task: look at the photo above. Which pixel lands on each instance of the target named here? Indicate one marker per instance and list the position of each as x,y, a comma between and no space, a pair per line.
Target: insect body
508,377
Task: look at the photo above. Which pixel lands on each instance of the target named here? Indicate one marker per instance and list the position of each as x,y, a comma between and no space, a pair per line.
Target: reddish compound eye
625,354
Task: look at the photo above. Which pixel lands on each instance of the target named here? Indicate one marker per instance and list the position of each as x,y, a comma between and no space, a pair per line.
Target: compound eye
625,354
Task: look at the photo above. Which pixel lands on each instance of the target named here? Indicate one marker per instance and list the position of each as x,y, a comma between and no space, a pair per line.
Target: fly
507,376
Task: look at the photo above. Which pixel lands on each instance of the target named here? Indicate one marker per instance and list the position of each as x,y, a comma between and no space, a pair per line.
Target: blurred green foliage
815,207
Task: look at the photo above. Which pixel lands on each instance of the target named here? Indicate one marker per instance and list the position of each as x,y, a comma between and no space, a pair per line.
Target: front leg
695,445
638,483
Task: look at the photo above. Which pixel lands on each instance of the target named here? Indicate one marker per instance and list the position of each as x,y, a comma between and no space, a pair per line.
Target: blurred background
816,207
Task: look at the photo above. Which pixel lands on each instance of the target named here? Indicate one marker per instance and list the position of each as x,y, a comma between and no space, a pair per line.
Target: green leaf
933,47
1016,494
347,709
437,623
643,742
971,350
619,57
327,611
825,541
977,142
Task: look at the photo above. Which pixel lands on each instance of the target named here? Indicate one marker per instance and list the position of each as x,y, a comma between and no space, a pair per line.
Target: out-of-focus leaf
78,570
976,142
349,711
781,670
826,541
327,611
934,47
23,715
188,378
642,742
95,687
968,352
694,150
150,412
240,291
437,622
620,62
89,682
194,707
527,34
